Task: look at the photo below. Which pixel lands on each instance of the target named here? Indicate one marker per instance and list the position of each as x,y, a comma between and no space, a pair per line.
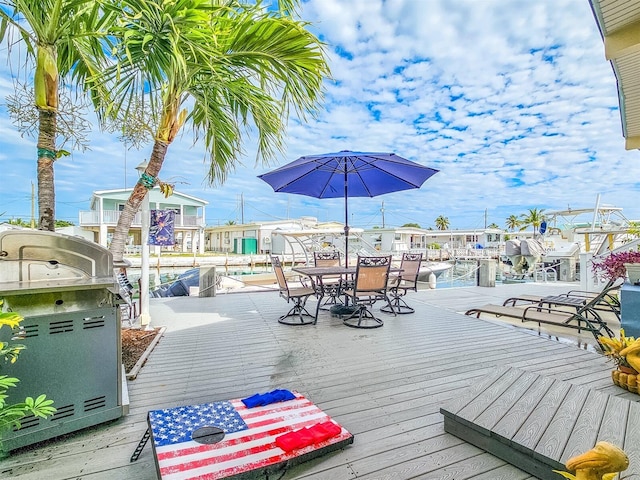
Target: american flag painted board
248,449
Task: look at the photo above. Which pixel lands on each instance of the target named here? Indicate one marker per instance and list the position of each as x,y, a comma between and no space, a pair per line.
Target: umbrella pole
346,217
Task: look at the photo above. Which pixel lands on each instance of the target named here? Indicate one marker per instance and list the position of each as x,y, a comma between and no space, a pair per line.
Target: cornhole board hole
228,440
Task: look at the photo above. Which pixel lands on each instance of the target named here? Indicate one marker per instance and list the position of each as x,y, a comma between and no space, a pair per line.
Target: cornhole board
228,440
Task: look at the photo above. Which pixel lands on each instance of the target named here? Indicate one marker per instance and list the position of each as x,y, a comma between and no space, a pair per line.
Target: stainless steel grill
64,288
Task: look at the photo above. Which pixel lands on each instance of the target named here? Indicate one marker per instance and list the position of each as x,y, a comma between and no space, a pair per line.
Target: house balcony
110,218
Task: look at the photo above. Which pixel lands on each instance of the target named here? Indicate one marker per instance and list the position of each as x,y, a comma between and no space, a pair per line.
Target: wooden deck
386,386
538,423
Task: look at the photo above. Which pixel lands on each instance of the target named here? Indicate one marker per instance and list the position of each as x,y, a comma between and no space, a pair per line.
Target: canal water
462,274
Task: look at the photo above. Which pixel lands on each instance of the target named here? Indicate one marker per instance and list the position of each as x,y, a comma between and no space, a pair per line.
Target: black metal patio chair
328,288
584,317
297,295
370,285
129,307
405,281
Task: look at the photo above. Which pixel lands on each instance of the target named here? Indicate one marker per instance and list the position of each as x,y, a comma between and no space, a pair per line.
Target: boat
585,230
435,268
180,287
524,255
565,234
305,241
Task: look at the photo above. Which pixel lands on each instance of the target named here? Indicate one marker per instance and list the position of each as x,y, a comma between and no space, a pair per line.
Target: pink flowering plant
612,266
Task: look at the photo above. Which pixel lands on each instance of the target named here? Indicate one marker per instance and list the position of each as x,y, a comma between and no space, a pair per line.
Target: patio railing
110,217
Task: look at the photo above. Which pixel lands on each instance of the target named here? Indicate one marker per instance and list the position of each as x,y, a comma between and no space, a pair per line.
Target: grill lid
36,256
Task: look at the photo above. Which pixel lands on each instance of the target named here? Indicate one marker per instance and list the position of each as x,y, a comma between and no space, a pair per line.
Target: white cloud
512,100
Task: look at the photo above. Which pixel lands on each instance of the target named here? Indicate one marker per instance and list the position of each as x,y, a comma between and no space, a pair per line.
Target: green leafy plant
11,414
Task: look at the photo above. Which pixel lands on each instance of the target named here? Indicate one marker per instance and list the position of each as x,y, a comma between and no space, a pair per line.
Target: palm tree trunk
134,201
46,157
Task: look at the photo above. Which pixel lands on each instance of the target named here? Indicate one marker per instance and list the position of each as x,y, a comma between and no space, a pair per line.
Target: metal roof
619,24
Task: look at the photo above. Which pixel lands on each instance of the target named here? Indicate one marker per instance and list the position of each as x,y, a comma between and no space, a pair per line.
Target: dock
386,386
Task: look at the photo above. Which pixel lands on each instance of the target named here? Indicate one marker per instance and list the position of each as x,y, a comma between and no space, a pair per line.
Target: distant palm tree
534,218
19,222
64,223
442,223
634,229
512,222
230,222
493,225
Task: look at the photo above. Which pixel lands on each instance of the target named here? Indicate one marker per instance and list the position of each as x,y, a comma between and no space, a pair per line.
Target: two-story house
106,206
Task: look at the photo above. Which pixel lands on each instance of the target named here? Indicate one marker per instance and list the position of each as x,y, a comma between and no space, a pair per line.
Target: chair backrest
601,296
327,258
410,266
279,271
372,274
123,282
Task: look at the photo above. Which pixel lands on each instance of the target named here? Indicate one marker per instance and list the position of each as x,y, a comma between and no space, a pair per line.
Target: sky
511,100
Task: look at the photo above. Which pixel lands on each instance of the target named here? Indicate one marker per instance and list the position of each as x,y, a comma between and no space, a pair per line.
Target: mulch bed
134,343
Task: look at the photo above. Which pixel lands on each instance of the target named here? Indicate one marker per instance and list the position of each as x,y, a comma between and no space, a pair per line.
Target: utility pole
485,218
242,208
382,211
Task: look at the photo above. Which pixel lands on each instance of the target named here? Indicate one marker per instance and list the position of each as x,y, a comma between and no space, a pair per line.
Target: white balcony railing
110,217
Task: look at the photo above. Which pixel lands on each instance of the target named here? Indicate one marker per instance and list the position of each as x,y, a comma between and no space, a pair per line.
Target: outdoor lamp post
145,318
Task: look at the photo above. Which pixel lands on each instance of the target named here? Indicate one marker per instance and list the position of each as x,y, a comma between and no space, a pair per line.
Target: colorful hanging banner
161,231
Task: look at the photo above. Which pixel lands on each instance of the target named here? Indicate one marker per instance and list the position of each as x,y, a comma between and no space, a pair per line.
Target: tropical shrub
11,414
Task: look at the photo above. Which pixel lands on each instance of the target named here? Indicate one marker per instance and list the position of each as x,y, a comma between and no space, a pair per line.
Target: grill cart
64,288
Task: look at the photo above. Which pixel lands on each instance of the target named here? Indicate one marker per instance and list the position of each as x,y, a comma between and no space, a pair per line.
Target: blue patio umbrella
348,174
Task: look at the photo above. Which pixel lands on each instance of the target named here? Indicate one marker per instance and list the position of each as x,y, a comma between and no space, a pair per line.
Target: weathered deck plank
529,434
585,429
554,439
614,421
513,419
632,440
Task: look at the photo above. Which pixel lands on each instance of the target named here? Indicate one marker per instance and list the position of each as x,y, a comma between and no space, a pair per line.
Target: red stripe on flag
281,424
293,405
256,464
271,435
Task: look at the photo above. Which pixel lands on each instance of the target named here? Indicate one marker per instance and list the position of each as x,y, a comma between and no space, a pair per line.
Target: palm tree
633,229
66,40
224,66
533,217
512,222
442,223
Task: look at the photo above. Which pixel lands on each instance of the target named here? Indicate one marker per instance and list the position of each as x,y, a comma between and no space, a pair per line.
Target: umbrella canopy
348,174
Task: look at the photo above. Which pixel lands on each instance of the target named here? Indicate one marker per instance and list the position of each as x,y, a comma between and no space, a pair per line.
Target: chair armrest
580,293
607,298
539,308
579,314
306,281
